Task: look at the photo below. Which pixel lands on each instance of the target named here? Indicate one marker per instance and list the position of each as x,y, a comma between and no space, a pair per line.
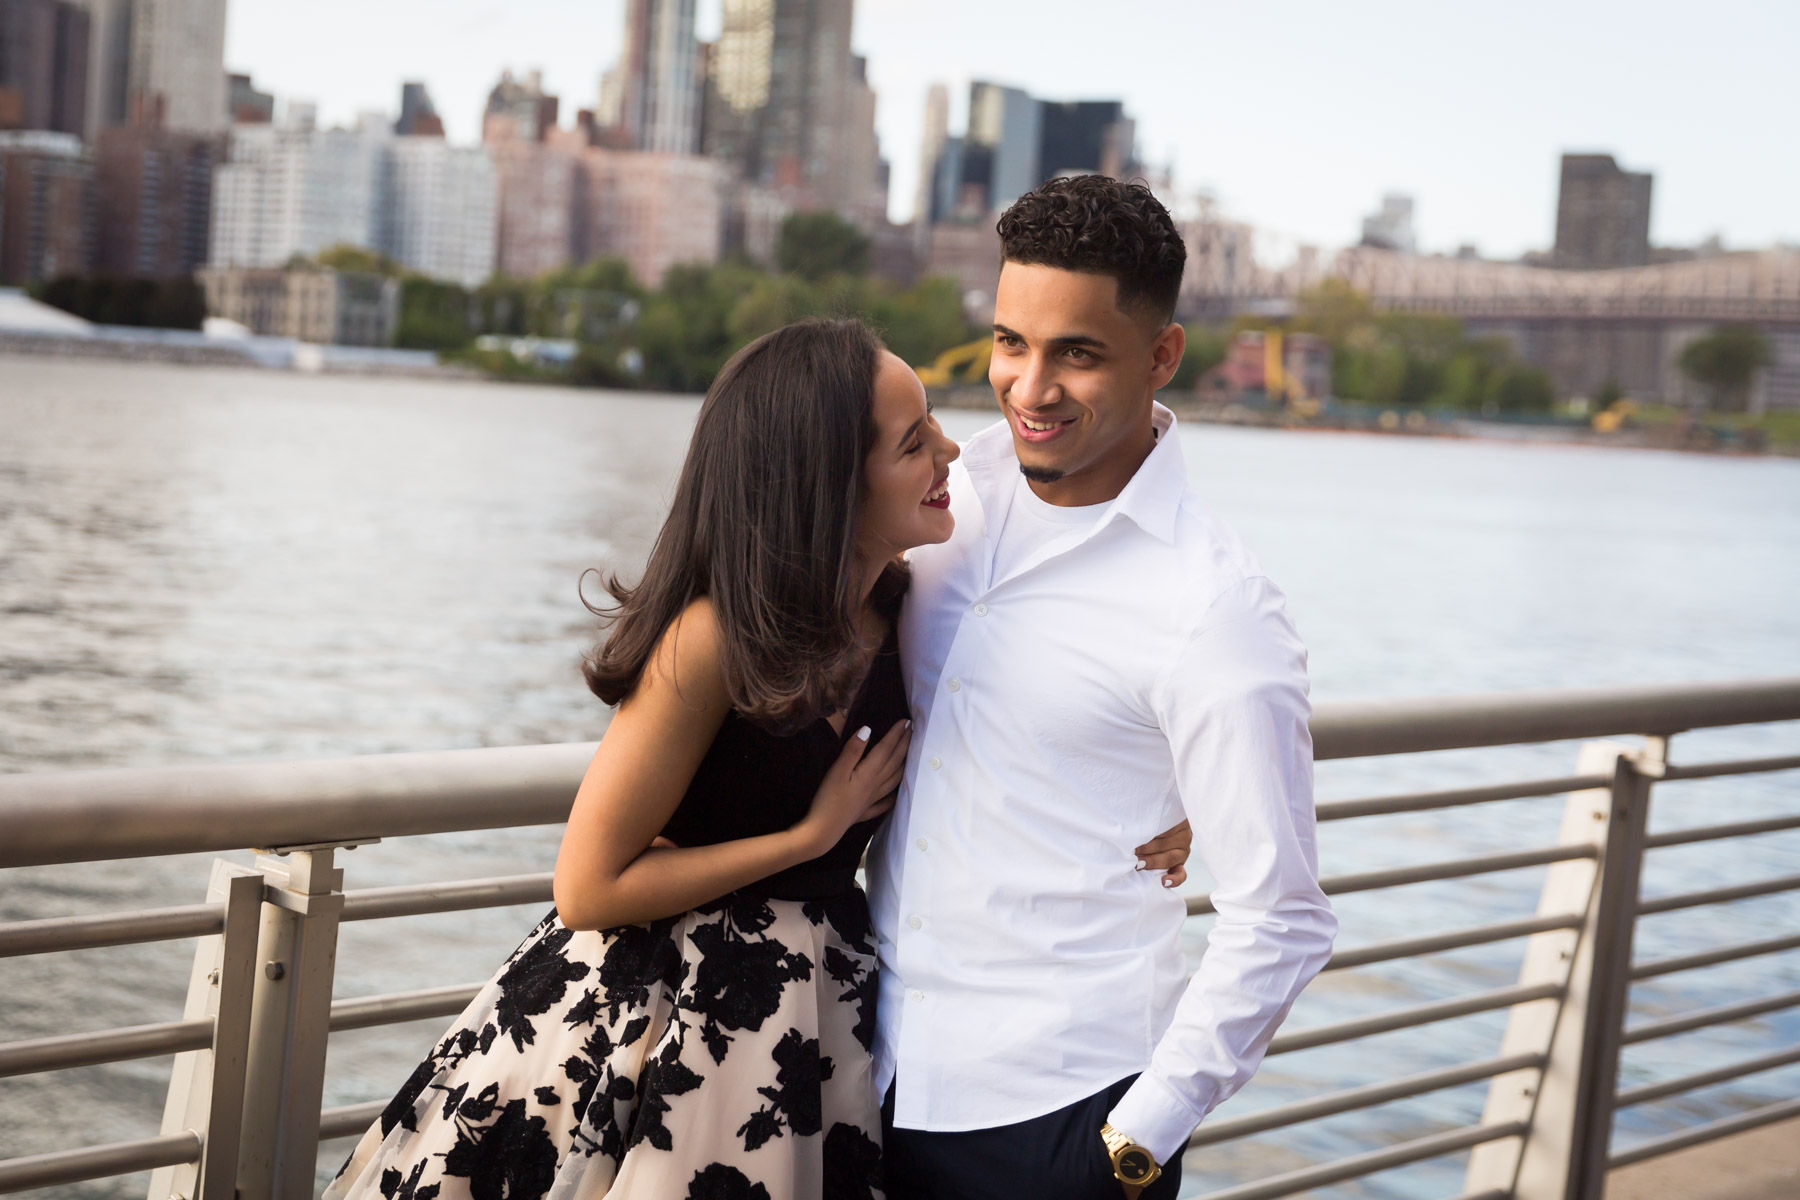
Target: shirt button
955,685
923,844
936,762
915,995
914,923
981,610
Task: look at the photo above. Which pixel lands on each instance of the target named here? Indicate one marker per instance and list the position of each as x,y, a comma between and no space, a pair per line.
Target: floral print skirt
719,1055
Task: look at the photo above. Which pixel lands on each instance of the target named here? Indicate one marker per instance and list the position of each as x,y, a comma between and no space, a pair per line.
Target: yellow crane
967,363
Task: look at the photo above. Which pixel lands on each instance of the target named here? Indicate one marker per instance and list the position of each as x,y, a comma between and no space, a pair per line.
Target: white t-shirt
1033,525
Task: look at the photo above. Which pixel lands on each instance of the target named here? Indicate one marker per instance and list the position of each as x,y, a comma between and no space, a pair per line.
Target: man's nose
1032,387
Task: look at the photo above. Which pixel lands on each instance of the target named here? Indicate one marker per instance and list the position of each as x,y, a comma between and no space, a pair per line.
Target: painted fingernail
863,734
1167,882
1142,865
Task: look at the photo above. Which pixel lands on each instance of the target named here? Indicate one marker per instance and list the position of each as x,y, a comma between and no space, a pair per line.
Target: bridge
243,1118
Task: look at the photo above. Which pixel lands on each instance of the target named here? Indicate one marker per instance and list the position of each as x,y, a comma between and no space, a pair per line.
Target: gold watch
1132,1164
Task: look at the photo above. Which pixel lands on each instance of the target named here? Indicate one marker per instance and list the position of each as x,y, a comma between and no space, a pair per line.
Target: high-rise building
153,192
653,210
518,109
1392,227
931,149
418,115
247,105
43,65
109,65
536,224
176,73
659,102
1602,214
439,209
1007,124
865,194
291,189
1082,137
785,111
46,206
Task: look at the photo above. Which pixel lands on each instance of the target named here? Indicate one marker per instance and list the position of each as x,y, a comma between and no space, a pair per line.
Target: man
1091,656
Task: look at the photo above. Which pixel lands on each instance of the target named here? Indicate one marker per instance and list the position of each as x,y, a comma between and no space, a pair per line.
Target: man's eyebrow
1067,339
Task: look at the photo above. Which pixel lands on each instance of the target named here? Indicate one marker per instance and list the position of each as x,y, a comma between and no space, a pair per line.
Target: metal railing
243,1116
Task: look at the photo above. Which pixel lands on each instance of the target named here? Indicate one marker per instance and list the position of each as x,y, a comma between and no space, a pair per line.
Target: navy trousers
1058,1156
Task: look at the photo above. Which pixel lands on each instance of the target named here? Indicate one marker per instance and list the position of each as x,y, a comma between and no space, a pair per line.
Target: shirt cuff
1153,1116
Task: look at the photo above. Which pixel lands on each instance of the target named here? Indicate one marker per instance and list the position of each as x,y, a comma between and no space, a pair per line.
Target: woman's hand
1168,852
859,787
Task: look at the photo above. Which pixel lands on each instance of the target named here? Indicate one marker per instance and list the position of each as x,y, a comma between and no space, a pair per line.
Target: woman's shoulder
689,659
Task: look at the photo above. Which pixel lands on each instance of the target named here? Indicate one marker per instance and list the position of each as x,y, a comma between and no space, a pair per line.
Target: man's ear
1165,354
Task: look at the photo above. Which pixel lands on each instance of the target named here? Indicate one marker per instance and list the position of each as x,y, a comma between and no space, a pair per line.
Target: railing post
206,1087
290,1022
1569,1102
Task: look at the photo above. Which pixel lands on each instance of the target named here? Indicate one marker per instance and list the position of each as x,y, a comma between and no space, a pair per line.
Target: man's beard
1040,474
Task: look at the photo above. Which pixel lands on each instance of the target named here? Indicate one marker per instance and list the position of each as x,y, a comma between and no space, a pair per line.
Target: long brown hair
764,524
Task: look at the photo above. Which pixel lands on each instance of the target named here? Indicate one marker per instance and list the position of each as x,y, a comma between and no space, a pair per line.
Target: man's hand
1168,852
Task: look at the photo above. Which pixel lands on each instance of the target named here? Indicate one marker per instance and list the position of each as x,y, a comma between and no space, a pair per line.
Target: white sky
1296,116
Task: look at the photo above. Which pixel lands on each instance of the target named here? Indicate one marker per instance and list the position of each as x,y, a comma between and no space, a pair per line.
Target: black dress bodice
753,782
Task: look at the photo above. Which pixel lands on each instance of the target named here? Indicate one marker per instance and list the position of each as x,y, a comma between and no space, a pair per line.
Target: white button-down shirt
1143,670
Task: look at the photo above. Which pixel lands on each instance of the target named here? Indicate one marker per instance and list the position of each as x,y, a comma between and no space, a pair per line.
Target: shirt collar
1149,501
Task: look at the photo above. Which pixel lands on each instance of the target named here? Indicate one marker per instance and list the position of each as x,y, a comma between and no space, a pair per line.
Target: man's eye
1076,352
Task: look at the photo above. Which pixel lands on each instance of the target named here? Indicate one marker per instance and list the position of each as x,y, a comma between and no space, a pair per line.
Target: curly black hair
1103,226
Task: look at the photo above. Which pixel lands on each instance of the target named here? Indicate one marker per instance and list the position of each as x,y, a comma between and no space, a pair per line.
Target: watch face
1136,1165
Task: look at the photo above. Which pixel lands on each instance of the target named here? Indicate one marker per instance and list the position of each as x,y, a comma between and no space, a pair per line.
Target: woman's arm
607,874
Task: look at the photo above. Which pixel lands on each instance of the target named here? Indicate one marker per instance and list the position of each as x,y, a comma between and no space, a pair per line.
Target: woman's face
906,497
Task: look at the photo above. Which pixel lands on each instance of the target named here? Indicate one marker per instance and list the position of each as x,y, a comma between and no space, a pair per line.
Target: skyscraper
784,113
177,65
1007,124
46,206
1602,214
519,109
1392,227
931,149
418,115
154,196
659,101
1085,136
43,65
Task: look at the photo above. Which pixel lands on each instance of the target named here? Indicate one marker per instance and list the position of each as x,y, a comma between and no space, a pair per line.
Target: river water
202,565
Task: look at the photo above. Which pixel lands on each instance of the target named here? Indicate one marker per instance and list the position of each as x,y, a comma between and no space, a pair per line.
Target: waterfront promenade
1763,1164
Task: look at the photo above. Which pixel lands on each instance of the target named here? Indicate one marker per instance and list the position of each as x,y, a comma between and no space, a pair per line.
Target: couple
714,1011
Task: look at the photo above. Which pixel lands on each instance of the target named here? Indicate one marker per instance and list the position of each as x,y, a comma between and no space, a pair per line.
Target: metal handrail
1756,1118
1419,1149
1351,1099
85,816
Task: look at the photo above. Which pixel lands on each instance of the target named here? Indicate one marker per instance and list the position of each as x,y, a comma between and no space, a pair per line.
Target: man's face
1075,375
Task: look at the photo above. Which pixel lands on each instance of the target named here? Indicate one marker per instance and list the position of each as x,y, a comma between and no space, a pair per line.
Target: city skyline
1474,137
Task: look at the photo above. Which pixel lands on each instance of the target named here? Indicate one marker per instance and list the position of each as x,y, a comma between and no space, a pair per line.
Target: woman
694,1019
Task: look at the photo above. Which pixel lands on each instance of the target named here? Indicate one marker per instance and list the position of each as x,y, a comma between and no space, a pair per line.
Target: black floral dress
719,1055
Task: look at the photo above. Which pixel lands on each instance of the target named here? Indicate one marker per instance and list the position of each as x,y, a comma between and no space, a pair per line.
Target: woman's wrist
807,840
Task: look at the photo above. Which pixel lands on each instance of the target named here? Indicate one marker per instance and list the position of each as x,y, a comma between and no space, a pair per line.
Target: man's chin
1041,474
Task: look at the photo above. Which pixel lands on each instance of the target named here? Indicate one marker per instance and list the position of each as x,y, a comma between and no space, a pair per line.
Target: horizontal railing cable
1709,1016
1743,766
1743,891
364,1012
1713,833
1756,1118
1700,1079
1457,868
370,904
1709,958
97,1162
349,1120
1435,1146
1407,1018
109,1045
1376,806
1351,1099
110,929
1478,935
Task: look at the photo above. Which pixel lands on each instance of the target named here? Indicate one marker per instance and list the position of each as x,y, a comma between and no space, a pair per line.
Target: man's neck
1101,482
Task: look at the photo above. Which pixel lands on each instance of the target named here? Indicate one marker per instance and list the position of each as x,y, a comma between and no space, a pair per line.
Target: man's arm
1233,705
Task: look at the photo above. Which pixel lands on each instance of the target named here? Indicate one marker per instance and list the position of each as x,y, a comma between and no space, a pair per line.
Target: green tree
1333,310
1517,388
1206,349
433,315
922,321
1725,363
817,244
345,257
